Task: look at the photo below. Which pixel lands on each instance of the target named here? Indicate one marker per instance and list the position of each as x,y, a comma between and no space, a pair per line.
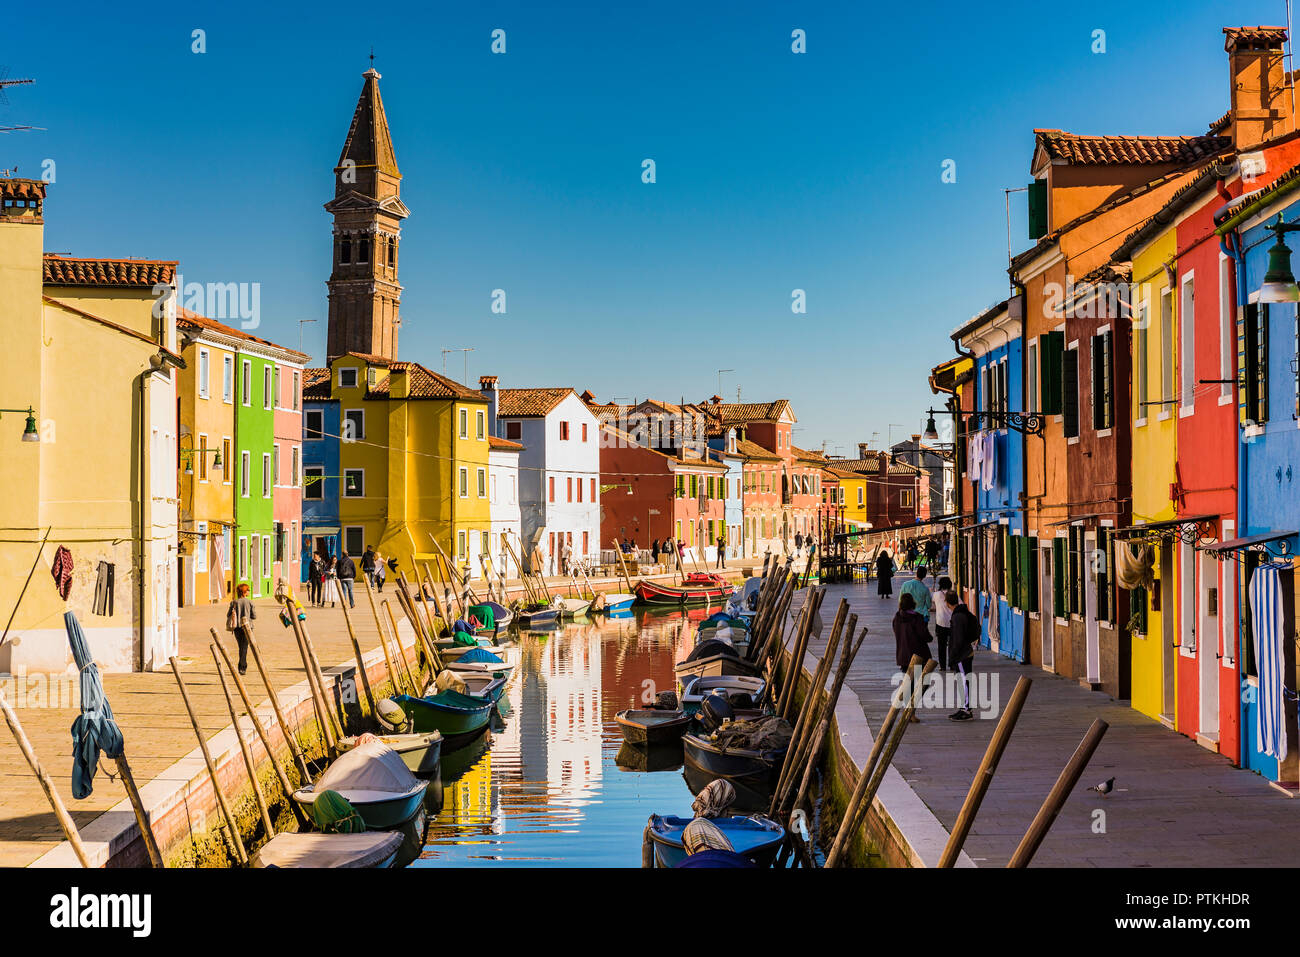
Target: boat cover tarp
486,614
768,733
449,680
710,647
454,699
463,637
328,850
714,800
370,766
479,656
716,858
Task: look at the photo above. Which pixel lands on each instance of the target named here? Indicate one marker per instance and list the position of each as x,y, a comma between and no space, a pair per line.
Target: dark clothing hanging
104,578
61,569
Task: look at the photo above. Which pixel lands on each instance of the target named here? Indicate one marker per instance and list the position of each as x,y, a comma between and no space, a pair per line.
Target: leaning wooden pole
362,676
400,651
336,722
260,729
383,642
1042,822
258,796
290,734
47,785
233,838
828,715
137,805
984,774
316,683
810,705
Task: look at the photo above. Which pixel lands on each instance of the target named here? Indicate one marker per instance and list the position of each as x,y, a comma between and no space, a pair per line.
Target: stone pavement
1175,804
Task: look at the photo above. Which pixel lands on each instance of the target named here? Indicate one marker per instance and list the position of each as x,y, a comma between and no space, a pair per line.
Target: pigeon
1105,787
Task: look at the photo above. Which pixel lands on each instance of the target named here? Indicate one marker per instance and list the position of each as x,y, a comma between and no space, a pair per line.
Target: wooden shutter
1059,573
1108,378
1037,209
1050,347
1104,611
1031,573
1255,362
1070,391
1094,348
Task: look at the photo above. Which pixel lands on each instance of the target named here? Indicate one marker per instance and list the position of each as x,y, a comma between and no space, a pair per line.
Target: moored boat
367,849
651,727
460,718
537,614
688,593
572,607
714,657
744,691
757,837
420,751
755,768
374,780
616,602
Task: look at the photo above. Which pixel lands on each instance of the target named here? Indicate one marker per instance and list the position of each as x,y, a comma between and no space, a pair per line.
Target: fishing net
332,814
715,799
666,701
768,733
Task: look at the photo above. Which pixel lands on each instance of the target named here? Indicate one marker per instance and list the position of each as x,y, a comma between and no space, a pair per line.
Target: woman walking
329,593
885,574
239,620
911,636
315,576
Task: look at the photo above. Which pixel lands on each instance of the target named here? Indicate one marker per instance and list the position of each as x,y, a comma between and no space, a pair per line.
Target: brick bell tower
364,294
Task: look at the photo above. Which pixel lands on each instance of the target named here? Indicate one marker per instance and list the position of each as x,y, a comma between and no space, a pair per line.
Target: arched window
363,255
345,250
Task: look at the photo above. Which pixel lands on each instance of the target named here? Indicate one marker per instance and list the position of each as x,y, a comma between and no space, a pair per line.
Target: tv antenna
5,83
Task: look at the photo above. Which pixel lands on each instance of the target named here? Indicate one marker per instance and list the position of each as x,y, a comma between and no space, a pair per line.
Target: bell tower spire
364,292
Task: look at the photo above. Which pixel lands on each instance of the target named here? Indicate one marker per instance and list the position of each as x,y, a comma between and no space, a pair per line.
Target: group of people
956,631
933,552
330,579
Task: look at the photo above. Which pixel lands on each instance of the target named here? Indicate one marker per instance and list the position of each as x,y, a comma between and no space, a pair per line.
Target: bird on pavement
1105,787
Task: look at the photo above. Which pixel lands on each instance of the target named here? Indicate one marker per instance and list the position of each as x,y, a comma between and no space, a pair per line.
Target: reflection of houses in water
571,684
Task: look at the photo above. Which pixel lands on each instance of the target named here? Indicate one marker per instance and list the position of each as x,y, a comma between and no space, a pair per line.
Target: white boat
372,778
367,849
571,607
694,690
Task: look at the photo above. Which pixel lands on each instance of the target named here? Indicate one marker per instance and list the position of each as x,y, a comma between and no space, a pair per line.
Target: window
584,431
226,464
1141,370
275,463
550,488
861,493
345,251
354,485
203,373
480,424
464,423
296,460
227,378
1187,327
1255,359
266,475
313,477
348,378
482,483
354,539
464,482
586,543
354,425
905,498
297,389
564,430
246,385
243,557
203,457
569,482
1227,327
1031,373
1166,345
1051,346
593,490
280,534
1070,391
313,425
275,389
245,466
579,484
266,387
1102,405
514,431
363,247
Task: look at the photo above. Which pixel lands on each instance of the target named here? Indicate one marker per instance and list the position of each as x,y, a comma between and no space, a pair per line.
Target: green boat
460,718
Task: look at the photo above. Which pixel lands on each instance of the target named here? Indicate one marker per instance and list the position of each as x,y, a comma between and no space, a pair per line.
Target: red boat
696,589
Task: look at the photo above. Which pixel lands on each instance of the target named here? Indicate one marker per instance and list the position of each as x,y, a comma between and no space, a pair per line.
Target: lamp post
1279,282
29,429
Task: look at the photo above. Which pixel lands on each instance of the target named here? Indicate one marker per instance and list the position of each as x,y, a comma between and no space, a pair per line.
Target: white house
559,467
503,499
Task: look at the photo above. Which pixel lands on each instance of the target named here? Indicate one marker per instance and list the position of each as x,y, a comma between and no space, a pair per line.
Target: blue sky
775,172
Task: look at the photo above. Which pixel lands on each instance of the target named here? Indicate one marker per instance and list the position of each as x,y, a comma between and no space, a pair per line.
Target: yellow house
1155,431
853,495
413,462
90,345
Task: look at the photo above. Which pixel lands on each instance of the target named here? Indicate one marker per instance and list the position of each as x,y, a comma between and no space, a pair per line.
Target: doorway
1092,635
1207,649
1047,620
1168,650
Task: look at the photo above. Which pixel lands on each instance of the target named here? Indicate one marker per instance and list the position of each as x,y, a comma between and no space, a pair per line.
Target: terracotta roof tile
1269,38
424,384
315,383
185,319
738,413
1112,150
752,450
528,403
373,360
67,271
22,190
504,444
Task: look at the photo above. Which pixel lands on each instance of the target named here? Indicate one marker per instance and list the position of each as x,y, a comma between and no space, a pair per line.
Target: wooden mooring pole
1042,822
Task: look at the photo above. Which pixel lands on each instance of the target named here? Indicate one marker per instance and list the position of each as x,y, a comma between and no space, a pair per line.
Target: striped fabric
1266,619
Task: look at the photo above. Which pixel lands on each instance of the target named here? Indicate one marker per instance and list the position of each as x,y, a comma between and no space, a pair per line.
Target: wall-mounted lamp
30,434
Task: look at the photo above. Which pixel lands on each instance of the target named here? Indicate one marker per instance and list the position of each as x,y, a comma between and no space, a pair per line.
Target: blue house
994,547
1268,493
320,467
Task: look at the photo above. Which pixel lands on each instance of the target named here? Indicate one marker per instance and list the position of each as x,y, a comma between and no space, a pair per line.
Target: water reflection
551,786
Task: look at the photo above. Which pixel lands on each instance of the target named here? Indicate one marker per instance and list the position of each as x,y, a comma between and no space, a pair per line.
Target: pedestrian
921,597
932,552
654,552
566,552
911,637
315,579
368,564
942,621
239,620
885,574
381,572
912,553
346,570
798,542
331,582
963,639
722,549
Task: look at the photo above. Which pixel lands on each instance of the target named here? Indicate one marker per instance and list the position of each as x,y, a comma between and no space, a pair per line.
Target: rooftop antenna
444,360
5,82
720,373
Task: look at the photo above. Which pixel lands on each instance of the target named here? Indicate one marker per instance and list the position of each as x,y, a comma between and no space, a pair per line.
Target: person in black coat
911,635
963,639
885,574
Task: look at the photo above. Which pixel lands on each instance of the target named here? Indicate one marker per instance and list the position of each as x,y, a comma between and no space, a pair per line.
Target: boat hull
651,593
717,666
451,715
755,769
421,752
648,728
379,813
756,838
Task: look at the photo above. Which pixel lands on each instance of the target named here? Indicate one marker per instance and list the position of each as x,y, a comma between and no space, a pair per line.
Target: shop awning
1077,518
1273,544
320,530
983,524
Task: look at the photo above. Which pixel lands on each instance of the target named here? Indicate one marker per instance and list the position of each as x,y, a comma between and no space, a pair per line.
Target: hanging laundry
61,569
1267,626
989,468
974,456
105,575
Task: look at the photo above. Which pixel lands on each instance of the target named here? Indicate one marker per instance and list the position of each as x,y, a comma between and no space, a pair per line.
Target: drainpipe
958,465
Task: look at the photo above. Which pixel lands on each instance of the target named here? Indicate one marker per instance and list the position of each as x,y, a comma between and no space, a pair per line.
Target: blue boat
615,603
461,719
757,837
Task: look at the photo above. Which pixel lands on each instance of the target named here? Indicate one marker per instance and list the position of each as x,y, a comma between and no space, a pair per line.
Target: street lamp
29,429
1279,281
187,453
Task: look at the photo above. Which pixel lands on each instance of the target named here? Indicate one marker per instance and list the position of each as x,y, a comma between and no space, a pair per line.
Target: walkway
1175,804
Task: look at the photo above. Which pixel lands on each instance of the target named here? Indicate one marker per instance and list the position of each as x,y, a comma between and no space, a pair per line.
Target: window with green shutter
1255,357
1070,391
1059,573
1051,345
1031,573
1037,196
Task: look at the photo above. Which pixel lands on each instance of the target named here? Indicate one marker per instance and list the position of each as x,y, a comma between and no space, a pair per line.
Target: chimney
882,460
1260,95
864,449
487,384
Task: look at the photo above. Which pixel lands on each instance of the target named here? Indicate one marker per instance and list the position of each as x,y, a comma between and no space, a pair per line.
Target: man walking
921,597
346,570
368,564
722,549
963,639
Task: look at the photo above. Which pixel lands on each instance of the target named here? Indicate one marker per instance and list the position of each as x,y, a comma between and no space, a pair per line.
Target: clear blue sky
775,171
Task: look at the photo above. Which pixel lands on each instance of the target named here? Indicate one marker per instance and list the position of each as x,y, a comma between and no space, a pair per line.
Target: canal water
553,787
